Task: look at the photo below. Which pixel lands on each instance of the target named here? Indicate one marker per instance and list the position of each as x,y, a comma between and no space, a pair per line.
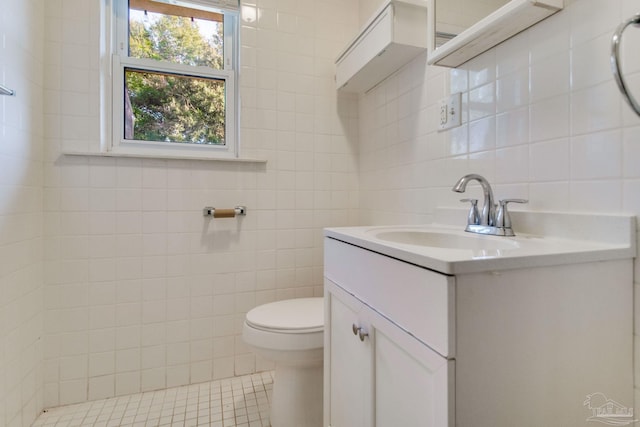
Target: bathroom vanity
431,326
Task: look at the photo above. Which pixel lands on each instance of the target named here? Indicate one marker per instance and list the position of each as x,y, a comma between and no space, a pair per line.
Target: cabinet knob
357,330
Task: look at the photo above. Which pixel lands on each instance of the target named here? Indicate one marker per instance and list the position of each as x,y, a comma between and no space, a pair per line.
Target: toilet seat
288,325
294,316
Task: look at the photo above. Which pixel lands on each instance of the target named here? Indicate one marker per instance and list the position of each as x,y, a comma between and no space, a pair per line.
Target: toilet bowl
290,334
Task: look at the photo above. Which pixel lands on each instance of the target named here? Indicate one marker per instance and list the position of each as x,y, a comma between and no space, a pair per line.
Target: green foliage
171,107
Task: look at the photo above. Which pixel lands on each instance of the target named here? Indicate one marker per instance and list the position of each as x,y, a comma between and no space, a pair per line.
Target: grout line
234,402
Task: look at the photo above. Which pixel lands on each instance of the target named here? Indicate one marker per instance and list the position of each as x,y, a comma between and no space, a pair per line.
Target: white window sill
163,156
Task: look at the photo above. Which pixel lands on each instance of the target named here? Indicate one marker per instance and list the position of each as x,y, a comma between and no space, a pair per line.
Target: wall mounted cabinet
507,21
396,34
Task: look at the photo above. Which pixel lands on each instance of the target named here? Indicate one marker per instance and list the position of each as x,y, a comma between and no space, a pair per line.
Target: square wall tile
597,155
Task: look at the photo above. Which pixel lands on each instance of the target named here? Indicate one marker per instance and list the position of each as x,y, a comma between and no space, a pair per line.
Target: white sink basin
446,240
451,250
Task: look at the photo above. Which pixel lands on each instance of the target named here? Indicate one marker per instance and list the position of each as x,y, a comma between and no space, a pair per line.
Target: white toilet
290,333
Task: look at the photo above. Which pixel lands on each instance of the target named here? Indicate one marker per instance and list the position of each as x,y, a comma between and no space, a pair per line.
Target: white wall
21,131
543,120
141,291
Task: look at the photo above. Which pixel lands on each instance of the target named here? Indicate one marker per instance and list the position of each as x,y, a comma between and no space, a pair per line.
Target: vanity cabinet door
350,371
413,384
384,378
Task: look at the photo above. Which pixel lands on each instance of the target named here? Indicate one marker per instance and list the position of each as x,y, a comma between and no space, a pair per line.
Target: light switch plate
449,112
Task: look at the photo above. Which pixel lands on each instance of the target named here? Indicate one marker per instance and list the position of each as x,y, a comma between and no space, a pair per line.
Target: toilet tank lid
293,314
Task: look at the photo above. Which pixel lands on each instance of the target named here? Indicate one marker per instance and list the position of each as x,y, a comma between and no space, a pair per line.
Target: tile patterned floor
235,402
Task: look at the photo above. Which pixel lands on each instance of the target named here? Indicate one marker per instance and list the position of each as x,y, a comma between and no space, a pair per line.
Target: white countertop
521,251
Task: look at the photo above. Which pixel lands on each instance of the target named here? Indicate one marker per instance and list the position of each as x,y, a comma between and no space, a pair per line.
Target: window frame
120,61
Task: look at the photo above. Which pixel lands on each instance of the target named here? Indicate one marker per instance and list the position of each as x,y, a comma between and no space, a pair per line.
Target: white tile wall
21,137
141,291
542,120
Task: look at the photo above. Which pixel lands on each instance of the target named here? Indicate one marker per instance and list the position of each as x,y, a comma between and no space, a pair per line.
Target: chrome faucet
488,215
489,221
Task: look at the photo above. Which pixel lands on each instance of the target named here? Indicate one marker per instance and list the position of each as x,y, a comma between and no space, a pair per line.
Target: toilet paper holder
224,213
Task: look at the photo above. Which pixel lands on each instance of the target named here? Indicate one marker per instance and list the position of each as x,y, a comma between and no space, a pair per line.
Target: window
174,73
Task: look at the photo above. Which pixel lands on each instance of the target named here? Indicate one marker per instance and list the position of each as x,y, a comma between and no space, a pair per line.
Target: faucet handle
503,219
473,218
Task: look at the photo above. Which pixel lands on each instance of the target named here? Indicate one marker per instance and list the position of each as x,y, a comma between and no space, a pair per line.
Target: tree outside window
174,107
